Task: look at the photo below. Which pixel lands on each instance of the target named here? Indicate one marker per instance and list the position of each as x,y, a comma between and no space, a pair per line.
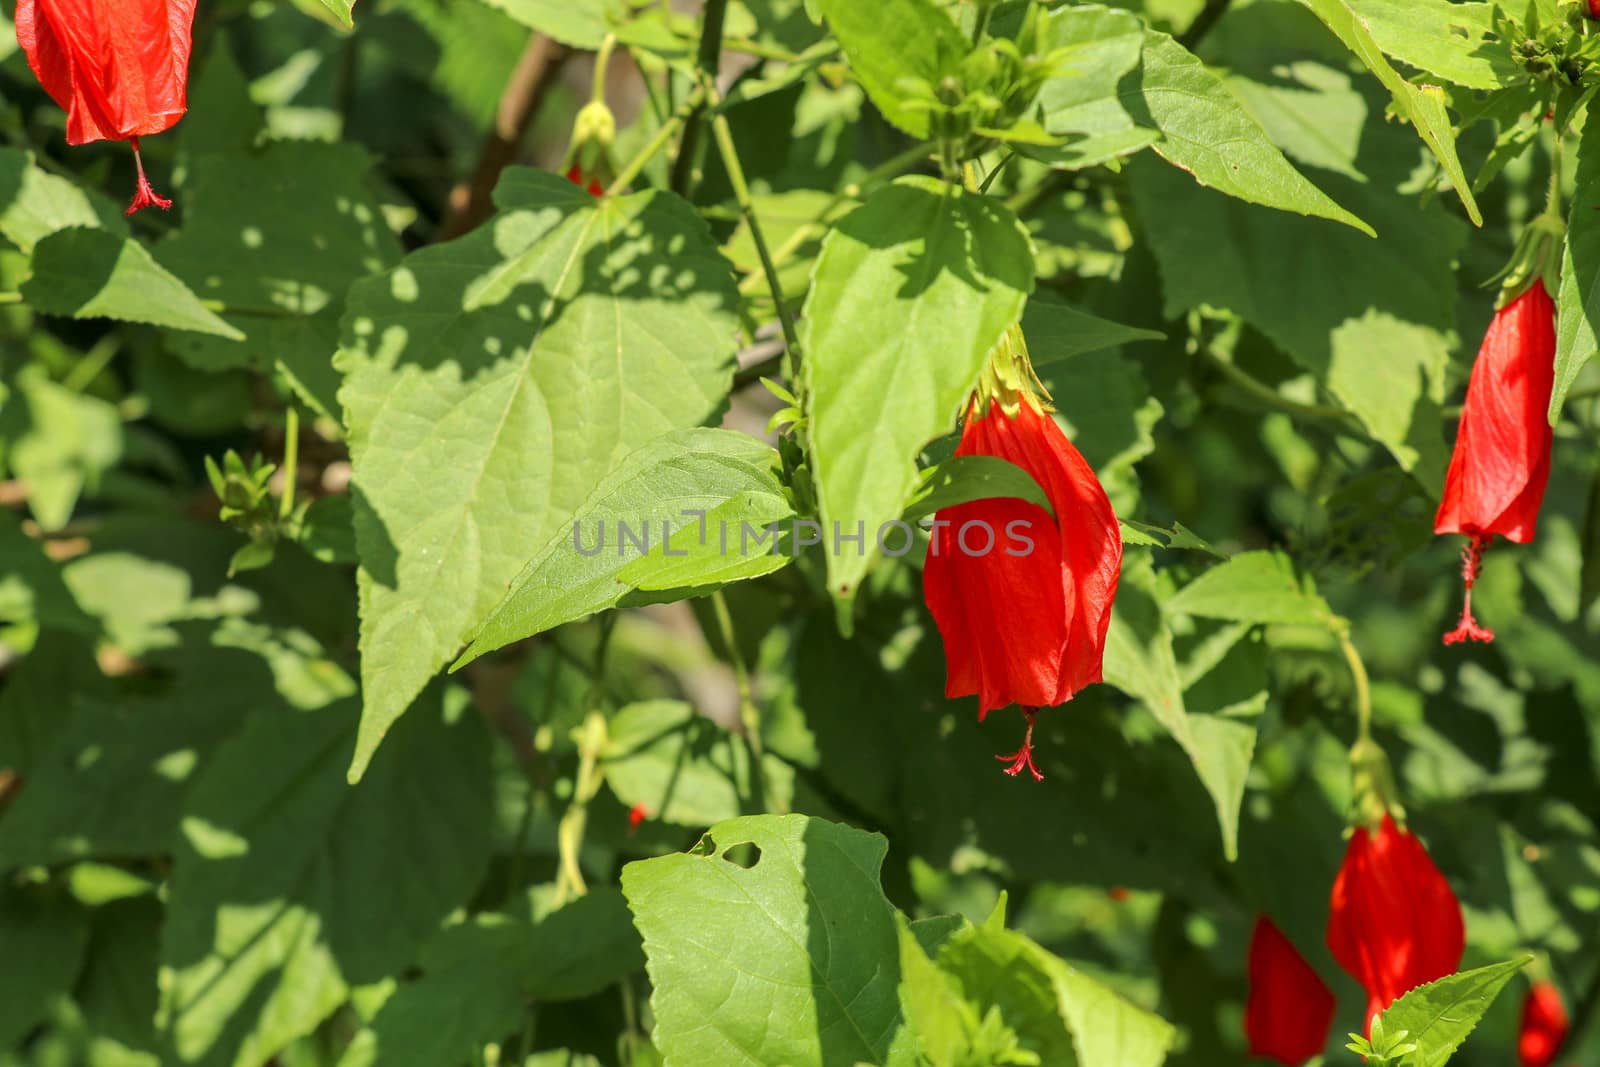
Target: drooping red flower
1501,463
119,68
1023,598
1544,1024
1594,9
1290,1009
1393,921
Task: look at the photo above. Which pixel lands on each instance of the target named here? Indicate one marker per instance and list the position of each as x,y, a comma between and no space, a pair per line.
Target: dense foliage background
245,815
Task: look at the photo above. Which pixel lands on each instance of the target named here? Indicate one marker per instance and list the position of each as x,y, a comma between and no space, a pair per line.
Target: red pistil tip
144,196
1467,629
1023,757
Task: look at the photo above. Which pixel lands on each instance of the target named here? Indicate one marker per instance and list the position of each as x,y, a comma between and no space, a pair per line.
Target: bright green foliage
449,618
944,274
472,360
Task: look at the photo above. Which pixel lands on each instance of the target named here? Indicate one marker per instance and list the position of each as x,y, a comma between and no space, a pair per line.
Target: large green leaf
771,942
677,483
1449,40
289,886
1578,303
1208,133
1372,320
911,292
889,42
1081,105
99,274
492,382
278,236
1439,1016
1423,107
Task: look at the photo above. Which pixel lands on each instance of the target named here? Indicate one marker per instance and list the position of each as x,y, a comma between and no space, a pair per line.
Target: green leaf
1059,1012
45,938
341,11
1423,107
289,886
576,23
492,383
932,1004
671,480
1439,1016
93,274
771,942
963,479
1578,302
683,768
1253,587
1179,536
1449,40
278,236
61,443
696,557
889,42
911,292
1373,321
35,204
1208,133
479,976
1056,331
1140,661
1082,104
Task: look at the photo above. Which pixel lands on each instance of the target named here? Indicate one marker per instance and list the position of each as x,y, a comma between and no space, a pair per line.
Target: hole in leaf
746,856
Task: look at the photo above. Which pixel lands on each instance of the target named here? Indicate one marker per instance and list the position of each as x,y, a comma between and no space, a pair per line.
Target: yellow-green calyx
592,134
1009,379
1373,792
1537,257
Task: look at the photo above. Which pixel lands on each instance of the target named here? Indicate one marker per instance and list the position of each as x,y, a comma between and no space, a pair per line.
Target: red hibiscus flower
119,68
1021,597
1393,921
1501,463
1544,1026
1290,1010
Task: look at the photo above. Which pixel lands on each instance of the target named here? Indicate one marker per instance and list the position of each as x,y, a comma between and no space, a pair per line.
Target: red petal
1393,921
119,68
1544,1026
1501,463
1290,1010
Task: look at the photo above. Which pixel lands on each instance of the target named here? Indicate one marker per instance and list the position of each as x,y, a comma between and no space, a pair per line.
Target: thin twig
1203,23
472,201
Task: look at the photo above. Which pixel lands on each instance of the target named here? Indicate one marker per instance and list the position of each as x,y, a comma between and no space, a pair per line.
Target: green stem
1358,672
1552,204
10,298
749,714
291,461
602,61
1271,397
981,25
708,61
90,366
591,742
741,194
668,129
998,170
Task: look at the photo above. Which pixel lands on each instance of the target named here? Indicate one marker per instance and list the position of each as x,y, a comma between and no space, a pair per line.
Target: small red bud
1544,1016
636,815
